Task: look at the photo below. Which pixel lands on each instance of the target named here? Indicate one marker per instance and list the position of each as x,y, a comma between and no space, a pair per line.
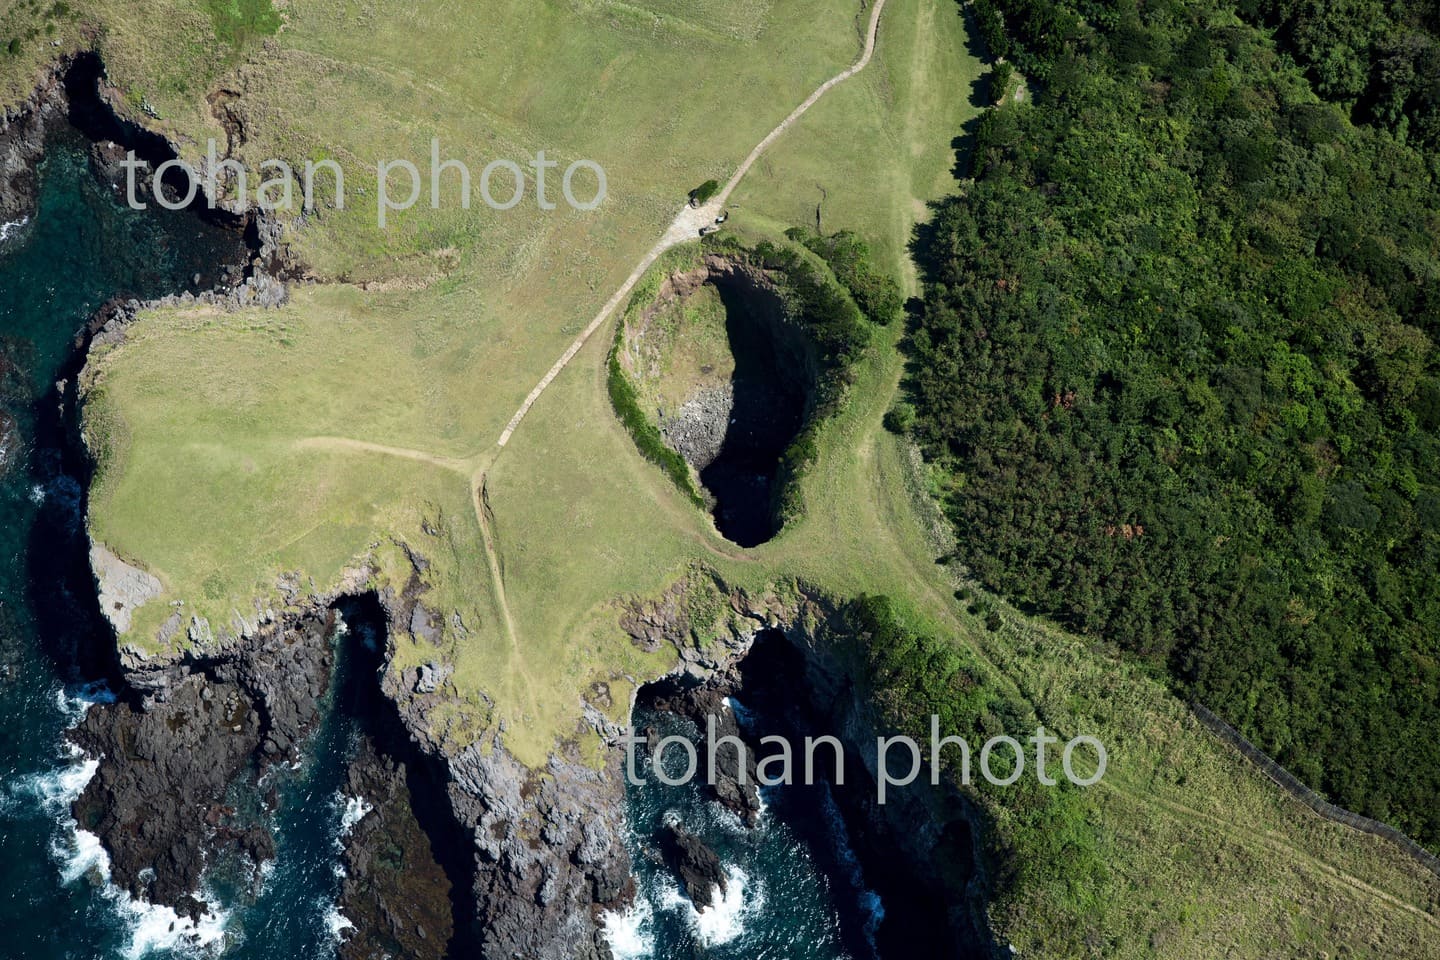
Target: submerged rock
733,778
22,143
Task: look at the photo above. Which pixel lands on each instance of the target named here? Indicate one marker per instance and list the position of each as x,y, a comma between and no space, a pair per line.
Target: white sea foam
743,715
337,923
54,790
724,919
261,875
764,805
353,812
73,702
630,933
870,901
79,854
157,928
152,927
6,229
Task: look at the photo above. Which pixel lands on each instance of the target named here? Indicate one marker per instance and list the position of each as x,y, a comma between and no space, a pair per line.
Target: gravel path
688,222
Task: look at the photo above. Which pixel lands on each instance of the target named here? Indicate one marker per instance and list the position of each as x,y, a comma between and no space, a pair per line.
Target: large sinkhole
728,378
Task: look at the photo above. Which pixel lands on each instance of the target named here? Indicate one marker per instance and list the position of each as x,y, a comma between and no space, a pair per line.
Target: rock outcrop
23,129
549,852
698,429
500,861
123,588
396,894
701,874
732,782
168,756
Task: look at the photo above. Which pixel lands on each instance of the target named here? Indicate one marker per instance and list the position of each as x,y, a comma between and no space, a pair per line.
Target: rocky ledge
169,750
397,894
74,92
464,851
23,129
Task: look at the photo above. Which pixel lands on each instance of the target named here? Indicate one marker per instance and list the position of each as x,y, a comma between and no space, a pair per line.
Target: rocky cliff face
920,850
500,861
169,750
521,861
22,142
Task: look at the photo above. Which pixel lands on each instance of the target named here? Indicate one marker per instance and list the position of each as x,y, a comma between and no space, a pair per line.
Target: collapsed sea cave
730,379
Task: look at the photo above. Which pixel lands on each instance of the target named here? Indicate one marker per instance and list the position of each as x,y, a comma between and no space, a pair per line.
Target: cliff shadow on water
409,889
261,739
73,256
324,825
839,875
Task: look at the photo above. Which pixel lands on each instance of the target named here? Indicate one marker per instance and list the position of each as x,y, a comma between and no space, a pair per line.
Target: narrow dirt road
466,466
688,222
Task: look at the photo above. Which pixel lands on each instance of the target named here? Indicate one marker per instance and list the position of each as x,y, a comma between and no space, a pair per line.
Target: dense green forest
1382,57
1176,368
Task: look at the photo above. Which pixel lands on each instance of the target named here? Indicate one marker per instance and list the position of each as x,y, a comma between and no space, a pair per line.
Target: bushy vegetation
1177,364
238,22
875,292
702,194
914,675
830,318
644,431
1380,56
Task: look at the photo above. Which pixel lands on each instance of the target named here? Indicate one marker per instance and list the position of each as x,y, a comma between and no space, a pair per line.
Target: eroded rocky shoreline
494,860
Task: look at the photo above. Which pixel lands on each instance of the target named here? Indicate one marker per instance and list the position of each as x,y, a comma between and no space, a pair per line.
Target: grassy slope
685,349
214,483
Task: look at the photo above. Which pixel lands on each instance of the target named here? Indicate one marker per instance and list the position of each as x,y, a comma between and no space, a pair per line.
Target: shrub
900,418
875,292
645,434
1000,77
704,192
